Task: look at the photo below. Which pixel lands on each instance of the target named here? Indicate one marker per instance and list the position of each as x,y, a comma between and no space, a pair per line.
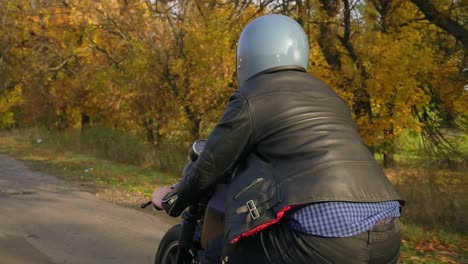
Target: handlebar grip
145,204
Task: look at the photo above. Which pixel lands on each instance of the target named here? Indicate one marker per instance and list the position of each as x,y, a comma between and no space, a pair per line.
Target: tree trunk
389,159
149,129
196,128
85,122
328,34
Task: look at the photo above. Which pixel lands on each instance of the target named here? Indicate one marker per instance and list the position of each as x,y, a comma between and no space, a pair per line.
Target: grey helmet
270,41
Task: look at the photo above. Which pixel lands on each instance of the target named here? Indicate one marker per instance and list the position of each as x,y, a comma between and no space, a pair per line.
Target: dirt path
46,220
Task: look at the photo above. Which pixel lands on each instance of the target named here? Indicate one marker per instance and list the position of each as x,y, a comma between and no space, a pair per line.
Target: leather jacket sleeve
230,139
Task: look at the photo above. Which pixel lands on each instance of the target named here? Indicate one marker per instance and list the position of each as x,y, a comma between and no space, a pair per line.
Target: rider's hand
158,195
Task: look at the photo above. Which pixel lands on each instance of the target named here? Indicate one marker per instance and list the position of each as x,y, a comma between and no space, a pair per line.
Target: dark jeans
282,244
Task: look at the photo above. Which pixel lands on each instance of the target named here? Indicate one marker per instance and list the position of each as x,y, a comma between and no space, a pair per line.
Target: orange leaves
431,250
436,245
429,246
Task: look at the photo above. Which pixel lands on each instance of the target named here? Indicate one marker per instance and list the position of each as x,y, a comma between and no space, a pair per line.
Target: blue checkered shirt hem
341,219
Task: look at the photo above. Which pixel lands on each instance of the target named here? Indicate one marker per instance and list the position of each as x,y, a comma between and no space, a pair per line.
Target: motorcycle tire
169,246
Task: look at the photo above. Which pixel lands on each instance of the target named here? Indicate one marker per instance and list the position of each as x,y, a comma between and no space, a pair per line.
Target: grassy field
434,221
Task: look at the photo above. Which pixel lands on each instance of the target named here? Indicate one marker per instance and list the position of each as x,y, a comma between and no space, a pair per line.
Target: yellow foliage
169,67
10,100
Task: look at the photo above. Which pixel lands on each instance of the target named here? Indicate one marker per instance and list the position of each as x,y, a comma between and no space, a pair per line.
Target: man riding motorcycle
301,185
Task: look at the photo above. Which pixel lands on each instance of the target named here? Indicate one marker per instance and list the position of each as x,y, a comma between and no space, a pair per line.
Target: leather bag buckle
252,209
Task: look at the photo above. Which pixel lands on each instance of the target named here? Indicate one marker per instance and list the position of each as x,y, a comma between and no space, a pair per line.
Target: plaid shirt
341,219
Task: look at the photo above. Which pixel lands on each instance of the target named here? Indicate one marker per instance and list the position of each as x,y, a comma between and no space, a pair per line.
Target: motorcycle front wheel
169,247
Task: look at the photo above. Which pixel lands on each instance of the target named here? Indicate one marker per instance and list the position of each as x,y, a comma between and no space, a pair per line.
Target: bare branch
60,66
442,20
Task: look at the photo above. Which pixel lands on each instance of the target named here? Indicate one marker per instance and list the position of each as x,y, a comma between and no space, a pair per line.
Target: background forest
164,70
136,81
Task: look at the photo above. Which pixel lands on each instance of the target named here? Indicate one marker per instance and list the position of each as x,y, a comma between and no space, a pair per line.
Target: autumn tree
11,87
379,56
447,91
201,71
165,69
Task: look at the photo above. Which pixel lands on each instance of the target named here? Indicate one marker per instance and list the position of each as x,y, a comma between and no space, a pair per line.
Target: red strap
259,228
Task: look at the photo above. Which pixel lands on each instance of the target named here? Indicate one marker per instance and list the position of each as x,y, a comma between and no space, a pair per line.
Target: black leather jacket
291,140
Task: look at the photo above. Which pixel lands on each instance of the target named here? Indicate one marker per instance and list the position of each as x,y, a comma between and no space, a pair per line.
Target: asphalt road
46,220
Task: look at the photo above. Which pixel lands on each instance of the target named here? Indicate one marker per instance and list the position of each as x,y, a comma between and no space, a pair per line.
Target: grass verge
128,183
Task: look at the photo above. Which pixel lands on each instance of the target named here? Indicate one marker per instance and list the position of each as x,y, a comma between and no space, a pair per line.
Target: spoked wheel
169,247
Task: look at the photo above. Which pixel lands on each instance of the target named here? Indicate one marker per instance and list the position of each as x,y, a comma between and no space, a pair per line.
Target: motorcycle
182,243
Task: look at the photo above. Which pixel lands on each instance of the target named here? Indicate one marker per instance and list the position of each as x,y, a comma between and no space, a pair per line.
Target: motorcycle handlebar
143,206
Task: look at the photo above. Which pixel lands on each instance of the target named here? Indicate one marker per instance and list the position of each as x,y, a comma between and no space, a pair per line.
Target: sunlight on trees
165,69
